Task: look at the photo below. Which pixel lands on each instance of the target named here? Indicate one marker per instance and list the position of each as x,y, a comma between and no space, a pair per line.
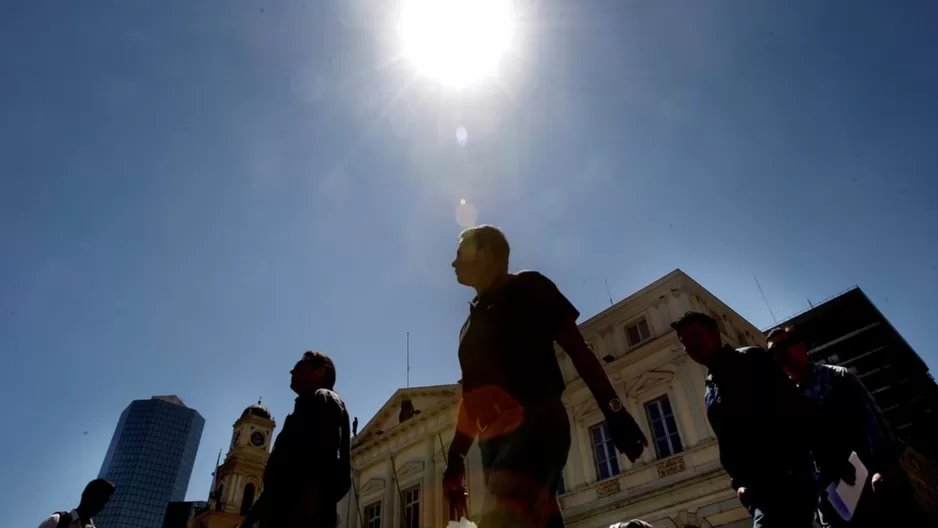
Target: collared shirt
311,452
850,418
761,419
53,521
506,346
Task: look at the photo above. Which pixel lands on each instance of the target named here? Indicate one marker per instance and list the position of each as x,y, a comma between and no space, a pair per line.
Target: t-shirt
506,346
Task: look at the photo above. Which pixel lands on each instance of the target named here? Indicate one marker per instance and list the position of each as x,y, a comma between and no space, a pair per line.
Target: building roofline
625,300
818,305
171,398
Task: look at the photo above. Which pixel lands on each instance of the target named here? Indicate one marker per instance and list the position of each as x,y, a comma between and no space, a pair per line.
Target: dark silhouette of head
312,372
96,495
700,335
481,257
788,349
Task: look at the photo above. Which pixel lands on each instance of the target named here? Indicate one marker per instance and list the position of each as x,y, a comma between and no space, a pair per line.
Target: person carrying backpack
96,494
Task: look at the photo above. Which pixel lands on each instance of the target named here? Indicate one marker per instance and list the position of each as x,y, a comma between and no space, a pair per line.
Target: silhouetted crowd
787,427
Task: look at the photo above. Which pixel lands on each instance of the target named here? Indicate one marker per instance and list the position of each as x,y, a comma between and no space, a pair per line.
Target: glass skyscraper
150,461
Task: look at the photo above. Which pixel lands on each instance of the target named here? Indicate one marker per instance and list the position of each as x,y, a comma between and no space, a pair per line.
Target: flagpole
400,494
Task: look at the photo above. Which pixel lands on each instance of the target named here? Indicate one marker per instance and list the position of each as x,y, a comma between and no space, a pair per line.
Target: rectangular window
373,515
412,508
638,332
604,452
663,427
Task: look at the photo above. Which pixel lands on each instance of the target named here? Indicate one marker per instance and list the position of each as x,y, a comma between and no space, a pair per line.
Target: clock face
257,439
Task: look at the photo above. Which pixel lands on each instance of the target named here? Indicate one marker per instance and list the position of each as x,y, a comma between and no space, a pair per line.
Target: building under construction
848,330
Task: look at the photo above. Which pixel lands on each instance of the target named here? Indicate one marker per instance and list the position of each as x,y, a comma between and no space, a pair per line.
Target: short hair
490,238
319,359
788,331
99,487
695,318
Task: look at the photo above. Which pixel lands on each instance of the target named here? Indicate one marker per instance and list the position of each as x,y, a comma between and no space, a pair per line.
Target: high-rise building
848,330
150,461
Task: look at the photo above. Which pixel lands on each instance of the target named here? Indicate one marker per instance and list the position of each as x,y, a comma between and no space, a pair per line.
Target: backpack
65,519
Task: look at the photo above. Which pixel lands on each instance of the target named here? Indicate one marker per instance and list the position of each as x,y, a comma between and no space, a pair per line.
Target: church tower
238,480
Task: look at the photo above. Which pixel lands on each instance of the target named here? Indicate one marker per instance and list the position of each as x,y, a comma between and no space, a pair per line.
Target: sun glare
457,42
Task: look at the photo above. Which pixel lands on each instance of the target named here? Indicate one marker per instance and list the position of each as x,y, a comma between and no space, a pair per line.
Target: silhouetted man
308,470
512,385
850,421
93,499
763,424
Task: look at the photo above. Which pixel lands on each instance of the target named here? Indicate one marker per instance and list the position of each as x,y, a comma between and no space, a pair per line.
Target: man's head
312,372
788,349
699,334
95,497
481,257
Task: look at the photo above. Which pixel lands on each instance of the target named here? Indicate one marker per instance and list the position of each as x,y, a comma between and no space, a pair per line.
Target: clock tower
239,480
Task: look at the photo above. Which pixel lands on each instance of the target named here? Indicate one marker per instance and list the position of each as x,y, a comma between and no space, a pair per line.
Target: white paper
463,523
844,497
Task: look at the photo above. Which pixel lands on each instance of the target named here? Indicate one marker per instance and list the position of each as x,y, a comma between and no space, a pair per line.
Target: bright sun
458,42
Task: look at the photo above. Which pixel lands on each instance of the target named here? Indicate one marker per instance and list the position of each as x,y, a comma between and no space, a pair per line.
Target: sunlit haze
458,42
192,193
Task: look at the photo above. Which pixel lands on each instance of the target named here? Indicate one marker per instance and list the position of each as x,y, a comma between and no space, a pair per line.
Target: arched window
247,500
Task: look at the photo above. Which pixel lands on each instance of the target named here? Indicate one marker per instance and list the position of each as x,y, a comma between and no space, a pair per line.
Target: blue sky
192,193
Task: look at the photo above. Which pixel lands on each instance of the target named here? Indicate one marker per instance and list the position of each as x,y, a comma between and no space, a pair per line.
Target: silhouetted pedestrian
512,385
850,421
308,471
763,424
93,499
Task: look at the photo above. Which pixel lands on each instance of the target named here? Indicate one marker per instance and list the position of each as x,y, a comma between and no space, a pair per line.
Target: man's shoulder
755,355
531,278
753,351
834,369
51,522
330,397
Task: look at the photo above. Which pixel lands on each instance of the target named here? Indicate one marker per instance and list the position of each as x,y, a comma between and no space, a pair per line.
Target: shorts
523,469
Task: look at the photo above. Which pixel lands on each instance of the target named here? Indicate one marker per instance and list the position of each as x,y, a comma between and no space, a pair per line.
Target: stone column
440,503
690,402
574,476
389,502
429,498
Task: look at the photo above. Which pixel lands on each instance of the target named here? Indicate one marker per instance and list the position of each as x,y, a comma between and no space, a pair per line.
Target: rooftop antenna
609,293
408,360
764,299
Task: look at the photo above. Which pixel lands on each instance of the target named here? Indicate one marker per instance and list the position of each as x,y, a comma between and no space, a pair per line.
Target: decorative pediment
649,381
372,486
410,469
422,399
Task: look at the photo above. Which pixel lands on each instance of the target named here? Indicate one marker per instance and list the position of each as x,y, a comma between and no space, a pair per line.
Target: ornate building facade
239,479
399,457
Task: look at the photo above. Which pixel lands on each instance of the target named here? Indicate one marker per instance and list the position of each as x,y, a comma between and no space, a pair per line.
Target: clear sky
194,192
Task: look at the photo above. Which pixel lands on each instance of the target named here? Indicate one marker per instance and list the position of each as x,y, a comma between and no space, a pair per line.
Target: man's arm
730,456
559,316
626,434
465,434
586,363
872,425
51,522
